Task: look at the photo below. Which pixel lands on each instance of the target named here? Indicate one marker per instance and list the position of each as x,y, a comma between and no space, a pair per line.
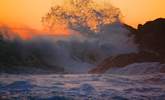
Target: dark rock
150,39
151,36
124,60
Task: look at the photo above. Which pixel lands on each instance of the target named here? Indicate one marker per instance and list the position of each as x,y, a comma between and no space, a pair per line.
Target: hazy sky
29,12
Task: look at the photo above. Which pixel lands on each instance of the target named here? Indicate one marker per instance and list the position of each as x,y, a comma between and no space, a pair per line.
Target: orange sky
139,11
26,12
29,12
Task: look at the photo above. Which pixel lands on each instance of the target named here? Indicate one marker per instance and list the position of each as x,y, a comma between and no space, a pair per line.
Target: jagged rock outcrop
150,38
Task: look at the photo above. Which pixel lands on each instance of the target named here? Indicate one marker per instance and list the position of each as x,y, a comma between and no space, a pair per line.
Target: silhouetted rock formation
150,38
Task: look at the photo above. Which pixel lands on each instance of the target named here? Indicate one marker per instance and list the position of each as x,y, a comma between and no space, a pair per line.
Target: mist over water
78,53
97,34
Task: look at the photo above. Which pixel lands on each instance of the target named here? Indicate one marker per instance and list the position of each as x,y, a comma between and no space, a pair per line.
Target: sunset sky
29,12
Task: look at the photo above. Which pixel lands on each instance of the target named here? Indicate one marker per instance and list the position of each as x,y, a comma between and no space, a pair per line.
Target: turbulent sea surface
82,87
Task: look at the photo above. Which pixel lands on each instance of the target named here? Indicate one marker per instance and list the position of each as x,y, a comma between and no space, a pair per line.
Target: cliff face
150,38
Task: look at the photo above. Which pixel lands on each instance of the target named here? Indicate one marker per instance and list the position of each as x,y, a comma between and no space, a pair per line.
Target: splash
81,14
77,53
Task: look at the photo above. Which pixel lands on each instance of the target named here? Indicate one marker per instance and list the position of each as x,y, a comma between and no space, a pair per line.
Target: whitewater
138,81
82,87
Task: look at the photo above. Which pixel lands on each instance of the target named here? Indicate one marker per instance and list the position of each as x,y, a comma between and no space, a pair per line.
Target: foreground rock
124,60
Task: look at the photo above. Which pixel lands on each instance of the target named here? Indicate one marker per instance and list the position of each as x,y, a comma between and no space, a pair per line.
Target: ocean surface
82,87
